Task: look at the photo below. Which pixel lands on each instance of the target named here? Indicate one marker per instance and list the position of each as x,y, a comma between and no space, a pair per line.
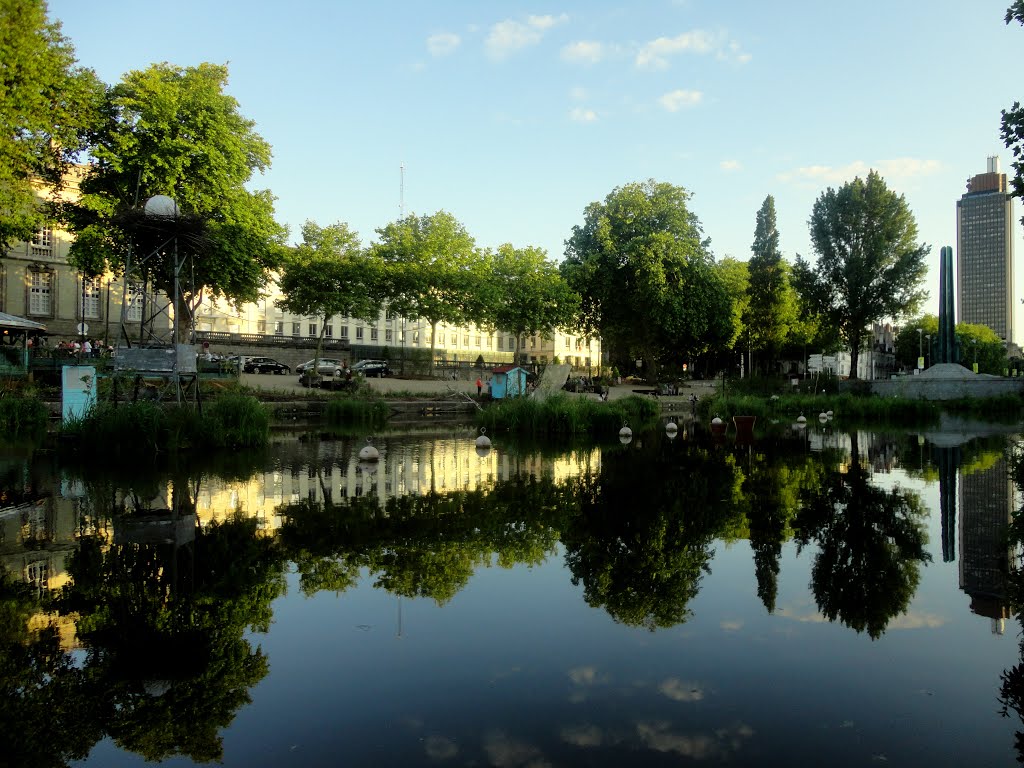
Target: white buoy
672,427
801,419
626,432
716,422
625,439
829,414
368,452
822,417
483,441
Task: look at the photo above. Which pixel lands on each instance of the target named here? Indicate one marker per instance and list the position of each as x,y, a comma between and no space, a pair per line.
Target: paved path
441,387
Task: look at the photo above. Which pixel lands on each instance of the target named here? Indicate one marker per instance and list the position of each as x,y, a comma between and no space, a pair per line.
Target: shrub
561,415
22,415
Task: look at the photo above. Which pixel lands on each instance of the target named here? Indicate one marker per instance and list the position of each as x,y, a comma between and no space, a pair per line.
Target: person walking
479,386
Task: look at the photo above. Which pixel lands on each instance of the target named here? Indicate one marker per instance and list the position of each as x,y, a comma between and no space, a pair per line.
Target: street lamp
929,337
920,348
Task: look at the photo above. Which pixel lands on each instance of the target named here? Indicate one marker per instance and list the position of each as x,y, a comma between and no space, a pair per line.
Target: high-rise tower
984,234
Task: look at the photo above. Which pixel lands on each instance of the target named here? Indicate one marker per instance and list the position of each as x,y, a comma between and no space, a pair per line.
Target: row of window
41,297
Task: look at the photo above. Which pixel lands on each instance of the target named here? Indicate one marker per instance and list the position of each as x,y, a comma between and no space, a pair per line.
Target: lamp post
920,347
929,360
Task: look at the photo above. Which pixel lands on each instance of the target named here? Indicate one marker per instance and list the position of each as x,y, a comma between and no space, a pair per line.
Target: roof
19,323
507,368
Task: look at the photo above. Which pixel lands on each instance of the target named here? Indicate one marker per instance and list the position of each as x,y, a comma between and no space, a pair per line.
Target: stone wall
926,388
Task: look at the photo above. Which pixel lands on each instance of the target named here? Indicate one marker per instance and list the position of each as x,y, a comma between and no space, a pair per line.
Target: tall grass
846,408
561,415
230,422
22,415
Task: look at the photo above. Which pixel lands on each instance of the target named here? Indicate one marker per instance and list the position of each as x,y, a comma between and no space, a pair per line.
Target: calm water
814,599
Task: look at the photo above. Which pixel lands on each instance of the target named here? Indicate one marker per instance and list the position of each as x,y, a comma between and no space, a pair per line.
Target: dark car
369,368
265,365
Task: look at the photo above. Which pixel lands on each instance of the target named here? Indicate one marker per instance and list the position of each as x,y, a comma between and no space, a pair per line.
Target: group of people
70,348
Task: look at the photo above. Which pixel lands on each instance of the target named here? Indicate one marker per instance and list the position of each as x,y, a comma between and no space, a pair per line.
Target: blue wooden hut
508,381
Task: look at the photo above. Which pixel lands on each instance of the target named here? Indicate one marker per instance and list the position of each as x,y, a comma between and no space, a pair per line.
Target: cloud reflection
585,735
506,752
440,748
720,744
680,690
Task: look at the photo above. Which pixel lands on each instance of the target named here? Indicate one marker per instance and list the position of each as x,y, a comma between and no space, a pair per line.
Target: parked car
378,368
265,365
326,367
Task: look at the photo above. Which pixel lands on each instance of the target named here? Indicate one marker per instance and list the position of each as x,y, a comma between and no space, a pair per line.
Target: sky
515,116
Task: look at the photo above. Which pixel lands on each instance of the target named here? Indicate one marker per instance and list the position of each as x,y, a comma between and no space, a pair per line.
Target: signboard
78,390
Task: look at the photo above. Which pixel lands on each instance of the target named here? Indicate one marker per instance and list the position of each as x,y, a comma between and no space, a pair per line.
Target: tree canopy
174,131
645,275
870,265
1012,124
771,307
435,272
329,274
529,294
47,105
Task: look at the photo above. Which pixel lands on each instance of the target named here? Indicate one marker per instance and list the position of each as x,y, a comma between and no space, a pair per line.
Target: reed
22,415
846,408
561,415
356,411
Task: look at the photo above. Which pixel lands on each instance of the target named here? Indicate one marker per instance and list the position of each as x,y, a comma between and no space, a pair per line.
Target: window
388,334
501,342
90,298
135,299
373,334
311,329
359,333
344,332
465,340
511,343
42,242
415,337
455,340
403,335
40,298
478,340
533,342
568,342
261,326
279,328
296,329
328,331
389,315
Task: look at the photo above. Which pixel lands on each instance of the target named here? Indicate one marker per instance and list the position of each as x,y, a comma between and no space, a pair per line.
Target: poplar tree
770,307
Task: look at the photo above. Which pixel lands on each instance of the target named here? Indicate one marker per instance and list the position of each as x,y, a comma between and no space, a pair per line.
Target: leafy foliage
1012,123
529,294
771,302
645,275
434,271
48,105
174,131
329,274
869,263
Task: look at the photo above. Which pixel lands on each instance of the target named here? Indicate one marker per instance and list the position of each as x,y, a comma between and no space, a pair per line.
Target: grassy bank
229,422
846,408
562,415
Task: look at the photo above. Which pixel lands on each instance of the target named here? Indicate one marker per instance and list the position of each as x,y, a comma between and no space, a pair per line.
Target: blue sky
515,116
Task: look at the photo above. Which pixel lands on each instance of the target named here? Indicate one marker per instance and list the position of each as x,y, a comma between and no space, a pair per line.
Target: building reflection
987,500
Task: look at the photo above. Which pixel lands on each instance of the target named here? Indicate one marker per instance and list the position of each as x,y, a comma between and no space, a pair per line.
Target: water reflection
128,603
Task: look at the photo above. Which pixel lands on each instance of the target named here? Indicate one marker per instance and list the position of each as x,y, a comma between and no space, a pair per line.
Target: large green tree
770,308
1012,125
47,104
175,131
529,293
329,274
434,270
870,265
645,273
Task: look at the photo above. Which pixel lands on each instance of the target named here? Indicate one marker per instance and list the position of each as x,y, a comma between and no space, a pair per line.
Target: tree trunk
433,335
854,354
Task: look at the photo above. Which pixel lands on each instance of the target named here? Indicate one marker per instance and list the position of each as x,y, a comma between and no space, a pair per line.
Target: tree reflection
641,539
870,547
422,545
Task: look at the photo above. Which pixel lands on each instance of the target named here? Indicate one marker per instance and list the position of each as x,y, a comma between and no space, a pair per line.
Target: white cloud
584,52
656,53
673,101
678,690
578,93
509,36
731,165
897,168
581,115
443,43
